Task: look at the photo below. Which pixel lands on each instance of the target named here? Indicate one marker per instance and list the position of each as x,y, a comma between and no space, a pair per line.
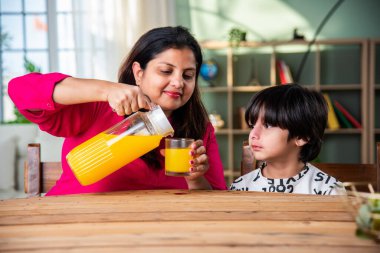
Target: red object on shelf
281,72
350,118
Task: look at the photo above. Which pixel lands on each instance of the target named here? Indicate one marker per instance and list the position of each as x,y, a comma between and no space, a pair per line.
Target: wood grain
179,221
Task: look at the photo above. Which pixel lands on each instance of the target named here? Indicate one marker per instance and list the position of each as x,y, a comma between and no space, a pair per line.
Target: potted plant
236,36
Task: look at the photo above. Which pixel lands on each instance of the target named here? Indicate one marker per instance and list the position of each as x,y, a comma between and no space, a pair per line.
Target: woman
162,68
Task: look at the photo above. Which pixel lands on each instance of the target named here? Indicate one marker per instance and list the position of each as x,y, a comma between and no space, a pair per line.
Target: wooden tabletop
180,221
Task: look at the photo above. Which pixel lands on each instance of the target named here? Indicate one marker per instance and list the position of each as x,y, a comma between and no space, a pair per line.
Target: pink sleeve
215,174
35,91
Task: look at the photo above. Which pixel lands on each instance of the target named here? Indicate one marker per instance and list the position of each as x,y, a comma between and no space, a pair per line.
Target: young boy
287,125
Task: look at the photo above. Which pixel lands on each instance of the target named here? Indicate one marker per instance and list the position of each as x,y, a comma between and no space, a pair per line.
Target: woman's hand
126,99
199,166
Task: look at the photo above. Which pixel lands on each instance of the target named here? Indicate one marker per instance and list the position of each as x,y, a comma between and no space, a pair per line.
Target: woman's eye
166,72
188,76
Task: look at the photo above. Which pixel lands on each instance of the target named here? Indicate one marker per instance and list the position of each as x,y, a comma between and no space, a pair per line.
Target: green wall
269,20
266,20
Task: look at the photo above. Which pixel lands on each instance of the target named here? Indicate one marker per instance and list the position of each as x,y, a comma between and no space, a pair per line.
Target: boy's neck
281,170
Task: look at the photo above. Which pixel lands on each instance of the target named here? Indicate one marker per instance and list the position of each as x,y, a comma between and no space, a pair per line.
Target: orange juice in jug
110,150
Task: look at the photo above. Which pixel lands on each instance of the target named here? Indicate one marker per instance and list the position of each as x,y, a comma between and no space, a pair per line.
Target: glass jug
117,146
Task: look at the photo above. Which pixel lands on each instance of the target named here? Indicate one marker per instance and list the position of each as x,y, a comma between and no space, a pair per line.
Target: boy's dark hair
301,111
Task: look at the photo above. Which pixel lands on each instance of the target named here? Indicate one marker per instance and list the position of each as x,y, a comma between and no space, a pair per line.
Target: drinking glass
177,156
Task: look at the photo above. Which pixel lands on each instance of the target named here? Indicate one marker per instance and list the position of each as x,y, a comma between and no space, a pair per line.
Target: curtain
105,31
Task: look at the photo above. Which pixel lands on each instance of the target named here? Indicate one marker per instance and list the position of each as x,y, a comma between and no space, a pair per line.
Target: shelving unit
374,98
338,67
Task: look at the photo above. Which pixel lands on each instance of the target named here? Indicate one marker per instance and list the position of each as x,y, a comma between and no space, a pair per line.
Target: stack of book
339,116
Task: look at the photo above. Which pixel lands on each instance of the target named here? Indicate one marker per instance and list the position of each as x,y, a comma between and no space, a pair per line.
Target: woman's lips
173,94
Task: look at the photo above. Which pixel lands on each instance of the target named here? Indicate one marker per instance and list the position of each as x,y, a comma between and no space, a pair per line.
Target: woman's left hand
199,166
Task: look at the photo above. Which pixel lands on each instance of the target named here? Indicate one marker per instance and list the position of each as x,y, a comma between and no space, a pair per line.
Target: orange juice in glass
177,156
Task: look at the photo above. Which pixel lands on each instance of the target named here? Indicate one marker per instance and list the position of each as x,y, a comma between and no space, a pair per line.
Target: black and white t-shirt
310,180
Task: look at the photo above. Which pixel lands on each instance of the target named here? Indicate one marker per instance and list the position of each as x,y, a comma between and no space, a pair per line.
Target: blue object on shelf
209,70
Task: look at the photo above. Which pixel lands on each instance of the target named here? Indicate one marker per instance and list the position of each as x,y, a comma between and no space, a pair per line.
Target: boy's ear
300,142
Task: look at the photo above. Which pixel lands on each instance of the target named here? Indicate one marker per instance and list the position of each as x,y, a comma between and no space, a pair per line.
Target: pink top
80,122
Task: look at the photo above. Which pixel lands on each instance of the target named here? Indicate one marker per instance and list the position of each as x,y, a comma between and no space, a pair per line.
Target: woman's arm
200,165
124,99
208,167
37,92
200,183
77,90
51,100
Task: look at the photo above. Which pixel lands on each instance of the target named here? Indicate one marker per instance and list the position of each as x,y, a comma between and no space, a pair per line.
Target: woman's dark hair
301,111
189,120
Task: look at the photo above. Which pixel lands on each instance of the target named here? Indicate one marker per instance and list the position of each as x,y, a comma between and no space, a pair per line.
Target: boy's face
271,144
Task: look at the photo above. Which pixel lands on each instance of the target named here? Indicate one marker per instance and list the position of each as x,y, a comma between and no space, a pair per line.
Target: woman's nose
177,82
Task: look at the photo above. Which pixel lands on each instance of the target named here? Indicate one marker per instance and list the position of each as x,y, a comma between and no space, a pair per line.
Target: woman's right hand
125,99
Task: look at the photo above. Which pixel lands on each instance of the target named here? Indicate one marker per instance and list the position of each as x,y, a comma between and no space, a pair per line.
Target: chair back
344,172
354,173
39,177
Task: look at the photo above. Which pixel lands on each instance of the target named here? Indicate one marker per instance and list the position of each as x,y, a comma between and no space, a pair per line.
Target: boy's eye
267,125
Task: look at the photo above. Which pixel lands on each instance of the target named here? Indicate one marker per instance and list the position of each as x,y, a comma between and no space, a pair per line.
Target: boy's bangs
271,114
267,105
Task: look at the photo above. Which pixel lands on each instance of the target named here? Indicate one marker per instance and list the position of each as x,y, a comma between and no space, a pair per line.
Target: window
82,38
28,31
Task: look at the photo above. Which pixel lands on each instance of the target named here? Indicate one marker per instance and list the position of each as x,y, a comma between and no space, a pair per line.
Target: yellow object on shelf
332,120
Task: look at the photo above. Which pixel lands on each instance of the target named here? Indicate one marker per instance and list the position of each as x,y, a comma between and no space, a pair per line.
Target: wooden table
180,221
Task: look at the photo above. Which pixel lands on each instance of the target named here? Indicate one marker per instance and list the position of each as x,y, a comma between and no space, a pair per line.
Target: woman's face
169,78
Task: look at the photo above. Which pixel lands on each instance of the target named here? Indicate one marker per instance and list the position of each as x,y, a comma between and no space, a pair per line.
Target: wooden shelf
344,131
214,89
320,71
325,87
373,97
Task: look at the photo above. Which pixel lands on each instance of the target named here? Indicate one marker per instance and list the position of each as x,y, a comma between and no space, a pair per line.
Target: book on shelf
342,119
348,115
332,121
288,74
284,73
243,124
